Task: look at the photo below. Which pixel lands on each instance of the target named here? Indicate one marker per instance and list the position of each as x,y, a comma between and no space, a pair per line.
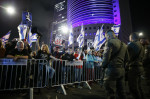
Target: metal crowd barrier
39,73
23,74
70,72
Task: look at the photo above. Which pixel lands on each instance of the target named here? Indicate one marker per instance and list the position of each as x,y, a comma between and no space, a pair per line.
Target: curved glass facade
92,12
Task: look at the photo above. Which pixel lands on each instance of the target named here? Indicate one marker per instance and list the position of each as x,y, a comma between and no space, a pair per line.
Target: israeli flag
34,37
80,38
99,39
5,38
22,29
70,41
116,29
31,38
27,18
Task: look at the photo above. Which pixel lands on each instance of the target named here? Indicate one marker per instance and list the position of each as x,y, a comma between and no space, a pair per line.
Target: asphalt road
72,93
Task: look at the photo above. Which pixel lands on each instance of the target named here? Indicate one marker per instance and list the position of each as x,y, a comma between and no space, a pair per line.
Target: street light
64,29
140,34
10,10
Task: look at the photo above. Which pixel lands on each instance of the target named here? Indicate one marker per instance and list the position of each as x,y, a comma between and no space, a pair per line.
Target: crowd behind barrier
39,73
41,68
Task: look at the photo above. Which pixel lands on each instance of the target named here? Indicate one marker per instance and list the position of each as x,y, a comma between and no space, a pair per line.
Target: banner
58,40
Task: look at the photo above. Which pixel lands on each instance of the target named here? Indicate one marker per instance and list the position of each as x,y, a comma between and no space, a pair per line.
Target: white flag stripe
80,38
22,29
99,39
70,41
116,29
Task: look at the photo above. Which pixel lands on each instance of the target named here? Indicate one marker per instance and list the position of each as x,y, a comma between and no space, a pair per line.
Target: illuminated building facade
93,13
60,18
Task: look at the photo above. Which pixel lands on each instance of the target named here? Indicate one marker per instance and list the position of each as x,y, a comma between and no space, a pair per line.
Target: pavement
72,93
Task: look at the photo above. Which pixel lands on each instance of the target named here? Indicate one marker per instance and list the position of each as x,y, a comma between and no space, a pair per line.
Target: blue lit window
85,34
90,33
94,33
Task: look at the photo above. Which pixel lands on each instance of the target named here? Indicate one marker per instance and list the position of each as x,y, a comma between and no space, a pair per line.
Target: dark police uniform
115,53
136,53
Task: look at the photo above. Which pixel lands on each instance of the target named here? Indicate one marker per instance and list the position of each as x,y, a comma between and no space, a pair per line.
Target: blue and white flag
70,41
80,38
5,38
32,38
27,18
116,29
99,39
29,38
22,29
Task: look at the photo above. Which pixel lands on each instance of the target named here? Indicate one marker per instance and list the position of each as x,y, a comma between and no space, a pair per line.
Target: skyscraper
93,13
60,18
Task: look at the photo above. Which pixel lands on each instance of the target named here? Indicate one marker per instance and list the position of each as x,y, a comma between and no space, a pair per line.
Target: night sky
42,16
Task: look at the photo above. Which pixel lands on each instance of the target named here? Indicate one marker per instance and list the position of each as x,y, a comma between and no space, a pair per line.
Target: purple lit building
93,13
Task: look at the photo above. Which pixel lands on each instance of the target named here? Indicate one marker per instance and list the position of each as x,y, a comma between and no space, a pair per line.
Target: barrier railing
70,72
23,74
39,73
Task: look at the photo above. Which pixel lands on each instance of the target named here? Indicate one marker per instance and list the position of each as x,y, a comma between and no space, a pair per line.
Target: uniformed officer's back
113,61
119,52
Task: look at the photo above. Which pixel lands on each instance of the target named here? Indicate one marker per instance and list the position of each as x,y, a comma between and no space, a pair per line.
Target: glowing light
10,10
140,34
64,29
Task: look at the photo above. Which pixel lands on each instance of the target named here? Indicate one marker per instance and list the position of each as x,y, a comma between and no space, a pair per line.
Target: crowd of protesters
21,50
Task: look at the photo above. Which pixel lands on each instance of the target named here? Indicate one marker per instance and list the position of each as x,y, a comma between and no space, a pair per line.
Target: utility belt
135,64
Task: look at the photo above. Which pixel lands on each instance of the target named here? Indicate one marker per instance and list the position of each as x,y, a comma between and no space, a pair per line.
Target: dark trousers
114,81
134,82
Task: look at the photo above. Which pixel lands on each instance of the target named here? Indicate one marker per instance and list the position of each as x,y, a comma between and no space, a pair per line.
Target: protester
19,52
27,47
43,53
78,69
89,66
70,57
2,50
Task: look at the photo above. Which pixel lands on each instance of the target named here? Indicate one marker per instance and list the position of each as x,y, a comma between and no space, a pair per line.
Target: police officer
136,53
115,52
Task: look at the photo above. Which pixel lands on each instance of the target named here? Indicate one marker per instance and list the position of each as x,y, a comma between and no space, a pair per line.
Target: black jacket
68,57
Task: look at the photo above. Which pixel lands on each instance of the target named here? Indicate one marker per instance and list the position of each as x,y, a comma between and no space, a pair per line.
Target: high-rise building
93,13
60,18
